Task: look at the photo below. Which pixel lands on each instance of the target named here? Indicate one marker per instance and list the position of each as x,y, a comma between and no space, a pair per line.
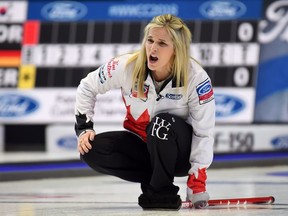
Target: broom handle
235,201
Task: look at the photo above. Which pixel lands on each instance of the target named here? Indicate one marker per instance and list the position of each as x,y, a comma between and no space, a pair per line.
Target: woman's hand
84,144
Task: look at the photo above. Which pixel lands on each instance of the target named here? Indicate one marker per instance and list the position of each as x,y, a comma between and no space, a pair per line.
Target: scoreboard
228,50
49,49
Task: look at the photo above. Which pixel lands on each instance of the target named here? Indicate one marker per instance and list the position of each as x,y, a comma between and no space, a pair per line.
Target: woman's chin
151,66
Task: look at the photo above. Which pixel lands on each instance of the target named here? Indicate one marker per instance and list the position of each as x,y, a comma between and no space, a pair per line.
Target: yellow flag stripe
27,76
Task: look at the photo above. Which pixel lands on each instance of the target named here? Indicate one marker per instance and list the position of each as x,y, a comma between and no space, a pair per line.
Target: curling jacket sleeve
202,118
108,76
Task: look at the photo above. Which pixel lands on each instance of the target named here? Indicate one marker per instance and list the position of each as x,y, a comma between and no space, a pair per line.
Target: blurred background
47,47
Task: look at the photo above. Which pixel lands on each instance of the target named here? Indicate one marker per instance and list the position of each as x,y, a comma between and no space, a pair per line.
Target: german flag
10,58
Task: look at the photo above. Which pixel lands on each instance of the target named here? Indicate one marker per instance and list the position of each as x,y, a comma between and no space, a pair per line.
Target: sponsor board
55,105
68,11
234,105
272,85
17,105
250,138
61,139
223,10
63,11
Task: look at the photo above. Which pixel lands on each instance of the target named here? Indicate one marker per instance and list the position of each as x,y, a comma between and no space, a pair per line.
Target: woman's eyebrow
160,40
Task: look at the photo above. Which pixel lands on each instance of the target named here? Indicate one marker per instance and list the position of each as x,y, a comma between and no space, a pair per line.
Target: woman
169,122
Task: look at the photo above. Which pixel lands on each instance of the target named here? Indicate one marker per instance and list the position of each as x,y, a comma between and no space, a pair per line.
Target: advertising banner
44,105
272,77
69,11
250,138
234,105
61,139
55,105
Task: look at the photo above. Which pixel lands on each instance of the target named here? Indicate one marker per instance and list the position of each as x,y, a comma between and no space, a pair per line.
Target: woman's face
160,50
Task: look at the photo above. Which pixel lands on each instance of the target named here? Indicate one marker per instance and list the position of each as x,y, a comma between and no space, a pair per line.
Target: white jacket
196,107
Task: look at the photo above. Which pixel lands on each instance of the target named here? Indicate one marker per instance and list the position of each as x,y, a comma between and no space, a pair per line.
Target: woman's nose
154,47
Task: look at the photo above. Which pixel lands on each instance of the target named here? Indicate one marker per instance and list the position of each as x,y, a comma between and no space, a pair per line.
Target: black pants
125,155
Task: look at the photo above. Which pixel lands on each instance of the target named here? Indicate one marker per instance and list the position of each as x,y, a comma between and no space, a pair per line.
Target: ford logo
13,105
174,96
227,105
68,142
280,142
64,11
205,88
222,9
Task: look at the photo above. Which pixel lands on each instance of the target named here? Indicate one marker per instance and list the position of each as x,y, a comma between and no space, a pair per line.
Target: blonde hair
181,37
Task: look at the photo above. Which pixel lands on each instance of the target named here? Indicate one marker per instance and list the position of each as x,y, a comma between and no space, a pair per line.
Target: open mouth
153,59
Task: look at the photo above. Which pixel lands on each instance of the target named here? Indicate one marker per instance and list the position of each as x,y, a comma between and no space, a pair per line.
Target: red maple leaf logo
138,125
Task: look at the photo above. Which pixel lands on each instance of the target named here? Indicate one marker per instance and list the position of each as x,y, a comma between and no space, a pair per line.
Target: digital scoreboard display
228,50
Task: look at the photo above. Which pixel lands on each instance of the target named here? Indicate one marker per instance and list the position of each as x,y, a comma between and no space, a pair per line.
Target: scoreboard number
245,32
241,76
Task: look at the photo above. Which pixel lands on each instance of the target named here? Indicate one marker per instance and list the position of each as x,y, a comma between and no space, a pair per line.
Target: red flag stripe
10,53
31,32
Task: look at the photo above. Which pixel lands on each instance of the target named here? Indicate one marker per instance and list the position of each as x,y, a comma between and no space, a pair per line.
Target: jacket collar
149,72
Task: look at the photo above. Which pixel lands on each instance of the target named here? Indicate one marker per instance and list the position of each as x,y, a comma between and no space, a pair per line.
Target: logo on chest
134,92
174,96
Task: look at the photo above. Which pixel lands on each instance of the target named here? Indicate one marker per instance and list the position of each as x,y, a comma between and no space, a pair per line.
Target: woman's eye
162,44
150,40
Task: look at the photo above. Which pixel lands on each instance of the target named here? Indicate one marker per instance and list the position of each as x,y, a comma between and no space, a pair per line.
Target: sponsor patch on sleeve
205,92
